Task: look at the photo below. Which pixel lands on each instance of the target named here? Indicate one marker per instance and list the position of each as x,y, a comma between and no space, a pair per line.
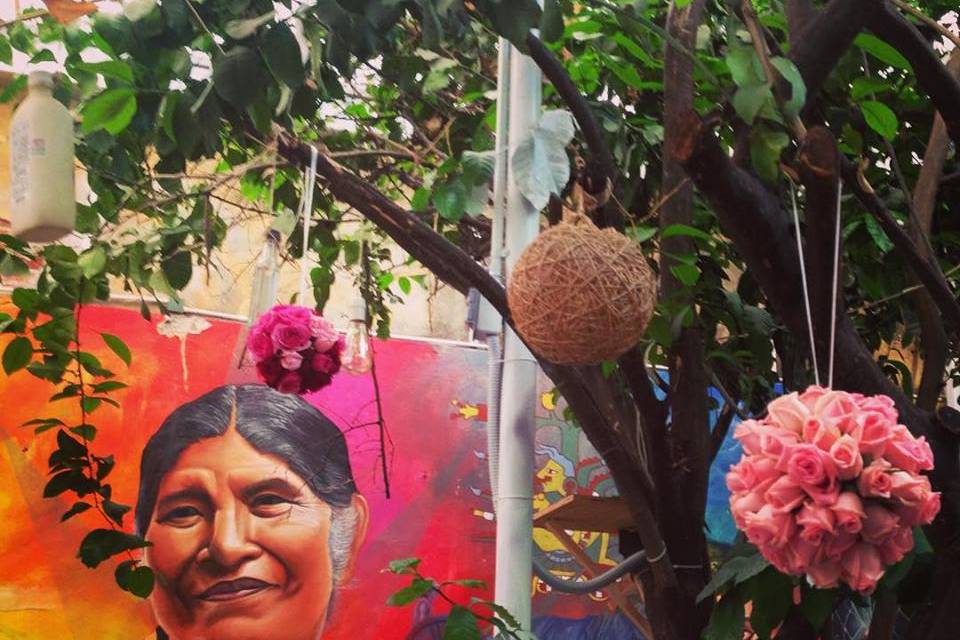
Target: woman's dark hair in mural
274,423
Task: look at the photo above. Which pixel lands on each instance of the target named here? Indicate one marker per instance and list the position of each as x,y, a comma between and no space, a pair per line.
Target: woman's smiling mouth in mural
228,590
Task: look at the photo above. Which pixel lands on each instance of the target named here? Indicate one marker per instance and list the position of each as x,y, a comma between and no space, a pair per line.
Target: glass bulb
357,357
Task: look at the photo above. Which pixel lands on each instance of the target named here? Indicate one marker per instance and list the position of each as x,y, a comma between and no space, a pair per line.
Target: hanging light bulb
357,357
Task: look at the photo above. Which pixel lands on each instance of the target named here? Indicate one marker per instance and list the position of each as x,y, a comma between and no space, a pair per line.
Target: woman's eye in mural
182,516
271,504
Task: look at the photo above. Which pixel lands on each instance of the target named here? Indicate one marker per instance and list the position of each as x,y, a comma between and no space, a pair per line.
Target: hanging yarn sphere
581,295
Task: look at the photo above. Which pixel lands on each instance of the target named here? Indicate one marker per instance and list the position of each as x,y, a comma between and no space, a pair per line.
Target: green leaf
93,261
439,76
109,69
100,544
178,269
26,300
63,481
109,385
513,19
450,199
404,283
136,10
403,565
882,51
112,111
880,118
282,54
771,593
766,146
798,89
44,55
240,29
120,348
551,21
727,618
739,569
894,575
749,99
817,605
461,625
115,511
744,66
408,594
6,51
862,87
641,234
78,507
138,580
13,89
17,355
71,447
685,273
540,162
239,76
686,230
470,583
85,431
877,234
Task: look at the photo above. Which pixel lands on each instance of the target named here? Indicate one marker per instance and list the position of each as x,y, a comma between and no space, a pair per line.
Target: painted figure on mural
248,500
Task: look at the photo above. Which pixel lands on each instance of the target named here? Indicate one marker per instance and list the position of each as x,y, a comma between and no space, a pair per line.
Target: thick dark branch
800,13
752,217
593,133
826,38
932,75
820,170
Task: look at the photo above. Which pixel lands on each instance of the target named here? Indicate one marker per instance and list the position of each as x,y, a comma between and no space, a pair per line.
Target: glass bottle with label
42,200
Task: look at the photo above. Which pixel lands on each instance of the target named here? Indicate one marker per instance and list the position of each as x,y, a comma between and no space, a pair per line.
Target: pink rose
909,453
825,575
750,471
747,433
849,512
838,544
768,526
879,524
290,383
270,370
910,489
883,405
862,567
823,434
800,554
292,314
788,412
291,360
816,522
325,364
896,546
806,464
785,494
744,503
834,407
266,322
777,556
875,433
846,458
260,345
324,335
875,482
930,507
291,337
774,441
813,393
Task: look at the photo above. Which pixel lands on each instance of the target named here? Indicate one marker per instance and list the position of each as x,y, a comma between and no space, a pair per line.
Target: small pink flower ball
295,349
830,486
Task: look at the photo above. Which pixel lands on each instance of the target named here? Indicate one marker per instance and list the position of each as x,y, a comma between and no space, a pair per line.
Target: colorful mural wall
439,507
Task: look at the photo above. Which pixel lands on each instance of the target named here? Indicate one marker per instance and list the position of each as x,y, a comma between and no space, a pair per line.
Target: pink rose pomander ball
829,486
295,349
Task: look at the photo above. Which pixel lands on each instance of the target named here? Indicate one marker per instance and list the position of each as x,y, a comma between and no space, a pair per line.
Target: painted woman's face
240,547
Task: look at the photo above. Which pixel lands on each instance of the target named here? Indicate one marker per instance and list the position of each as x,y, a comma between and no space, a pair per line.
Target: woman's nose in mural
230,544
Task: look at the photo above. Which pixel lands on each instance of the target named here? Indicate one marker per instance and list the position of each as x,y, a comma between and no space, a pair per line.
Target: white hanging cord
806,291
836,285
306,207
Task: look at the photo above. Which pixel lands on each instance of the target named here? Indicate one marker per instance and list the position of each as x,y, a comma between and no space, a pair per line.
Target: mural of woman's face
240,546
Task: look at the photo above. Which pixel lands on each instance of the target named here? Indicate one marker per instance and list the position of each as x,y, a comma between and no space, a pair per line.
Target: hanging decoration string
306,208
803,279
836,285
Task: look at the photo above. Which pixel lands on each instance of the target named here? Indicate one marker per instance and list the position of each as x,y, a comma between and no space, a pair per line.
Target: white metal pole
514,574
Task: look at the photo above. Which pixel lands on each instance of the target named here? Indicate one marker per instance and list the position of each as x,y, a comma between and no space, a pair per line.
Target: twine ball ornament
581,295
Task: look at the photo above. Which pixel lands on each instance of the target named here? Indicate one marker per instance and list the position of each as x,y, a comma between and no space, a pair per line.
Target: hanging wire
836,285
803,278
306,209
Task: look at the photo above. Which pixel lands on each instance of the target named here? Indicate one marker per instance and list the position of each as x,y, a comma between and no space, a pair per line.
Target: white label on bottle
19,164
